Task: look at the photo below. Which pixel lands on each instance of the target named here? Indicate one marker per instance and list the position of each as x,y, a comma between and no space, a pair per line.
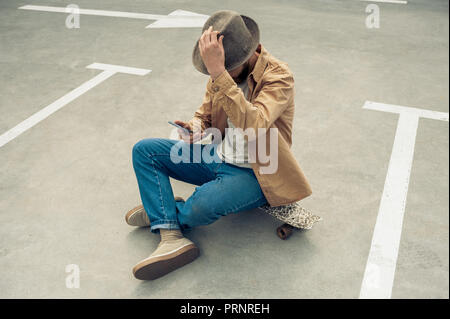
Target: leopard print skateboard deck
293,216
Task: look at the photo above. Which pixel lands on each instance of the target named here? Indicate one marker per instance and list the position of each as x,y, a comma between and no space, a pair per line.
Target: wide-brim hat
241,38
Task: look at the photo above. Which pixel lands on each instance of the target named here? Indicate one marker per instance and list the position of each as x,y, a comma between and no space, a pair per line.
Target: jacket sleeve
202,117
275,95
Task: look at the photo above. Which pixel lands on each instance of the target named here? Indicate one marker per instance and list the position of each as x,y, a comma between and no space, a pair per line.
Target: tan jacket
270,104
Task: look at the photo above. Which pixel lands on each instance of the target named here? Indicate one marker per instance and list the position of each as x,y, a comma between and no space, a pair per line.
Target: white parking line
381,263
176,19
388,1
108,71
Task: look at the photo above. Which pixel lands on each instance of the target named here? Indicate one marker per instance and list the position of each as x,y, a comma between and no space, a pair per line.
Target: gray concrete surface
66,183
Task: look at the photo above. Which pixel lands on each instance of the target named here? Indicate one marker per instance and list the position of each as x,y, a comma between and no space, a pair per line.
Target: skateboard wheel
284,231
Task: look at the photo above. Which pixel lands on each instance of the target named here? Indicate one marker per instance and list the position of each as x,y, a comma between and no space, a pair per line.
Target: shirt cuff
222,83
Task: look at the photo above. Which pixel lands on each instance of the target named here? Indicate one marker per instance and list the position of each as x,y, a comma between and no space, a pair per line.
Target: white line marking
434,115
381,263
108,71
176,19
118,68
96,12
180,19
387,1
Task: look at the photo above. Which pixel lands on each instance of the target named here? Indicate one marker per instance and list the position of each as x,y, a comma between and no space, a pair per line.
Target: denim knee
199,213
144,147
136,149
137,152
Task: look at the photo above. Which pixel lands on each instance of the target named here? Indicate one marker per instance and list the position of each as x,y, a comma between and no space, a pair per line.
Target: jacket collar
260,64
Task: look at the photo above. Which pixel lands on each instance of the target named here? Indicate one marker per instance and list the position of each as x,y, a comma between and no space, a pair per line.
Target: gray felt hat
241,38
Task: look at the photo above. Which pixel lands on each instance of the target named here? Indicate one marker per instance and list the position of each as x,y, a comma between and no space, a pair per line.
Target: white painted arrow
108,71
381,263
175,19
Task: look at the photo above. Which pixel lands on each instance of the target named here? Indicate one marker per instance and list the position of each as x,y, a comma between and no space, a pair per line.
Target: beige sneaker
137,217
168,256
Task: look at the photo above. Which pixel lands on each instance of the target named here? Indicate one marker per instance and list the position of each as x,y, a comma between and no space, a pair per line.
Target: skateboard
293,216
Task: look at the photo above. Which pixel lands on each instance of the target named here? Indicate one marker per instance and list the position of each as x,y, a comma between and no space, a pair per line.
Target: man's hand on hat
212,52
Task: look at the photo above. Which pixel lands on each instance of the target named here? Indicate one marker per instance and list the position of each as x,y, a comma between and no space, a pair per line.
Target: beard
243,75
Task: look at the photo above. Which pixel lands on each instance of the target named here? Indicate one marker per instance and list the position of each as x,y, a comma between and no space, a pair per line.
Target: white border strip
387,1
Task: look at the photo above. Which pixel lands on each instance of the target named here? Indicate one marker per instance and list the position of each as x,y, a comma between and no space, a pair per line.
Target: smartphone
180,127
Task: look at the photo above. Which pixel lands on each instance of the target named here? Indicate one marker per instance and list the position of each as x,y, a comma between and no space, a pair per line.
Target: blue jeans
222,188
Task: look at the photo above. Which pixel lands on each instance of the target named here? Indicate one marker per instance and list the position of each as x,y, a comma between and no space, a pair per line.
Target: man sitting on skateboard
248,90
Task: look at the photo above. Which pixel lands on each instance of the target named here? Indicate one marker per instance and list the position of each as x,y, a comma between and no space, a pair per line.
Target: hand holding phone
186,134
183,128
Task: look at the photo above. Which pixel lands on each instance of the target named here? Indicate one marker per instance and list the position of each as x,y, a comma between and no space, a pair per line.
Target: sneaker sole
137,208
131,212
160,266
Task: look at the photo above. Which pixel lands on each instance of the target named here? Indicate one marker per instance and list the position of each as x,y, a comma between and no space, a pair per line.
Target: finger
211,36
201,42
181,123
181,132
186,125
207,39
201,47
186,138
214,37
204,35
202,39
